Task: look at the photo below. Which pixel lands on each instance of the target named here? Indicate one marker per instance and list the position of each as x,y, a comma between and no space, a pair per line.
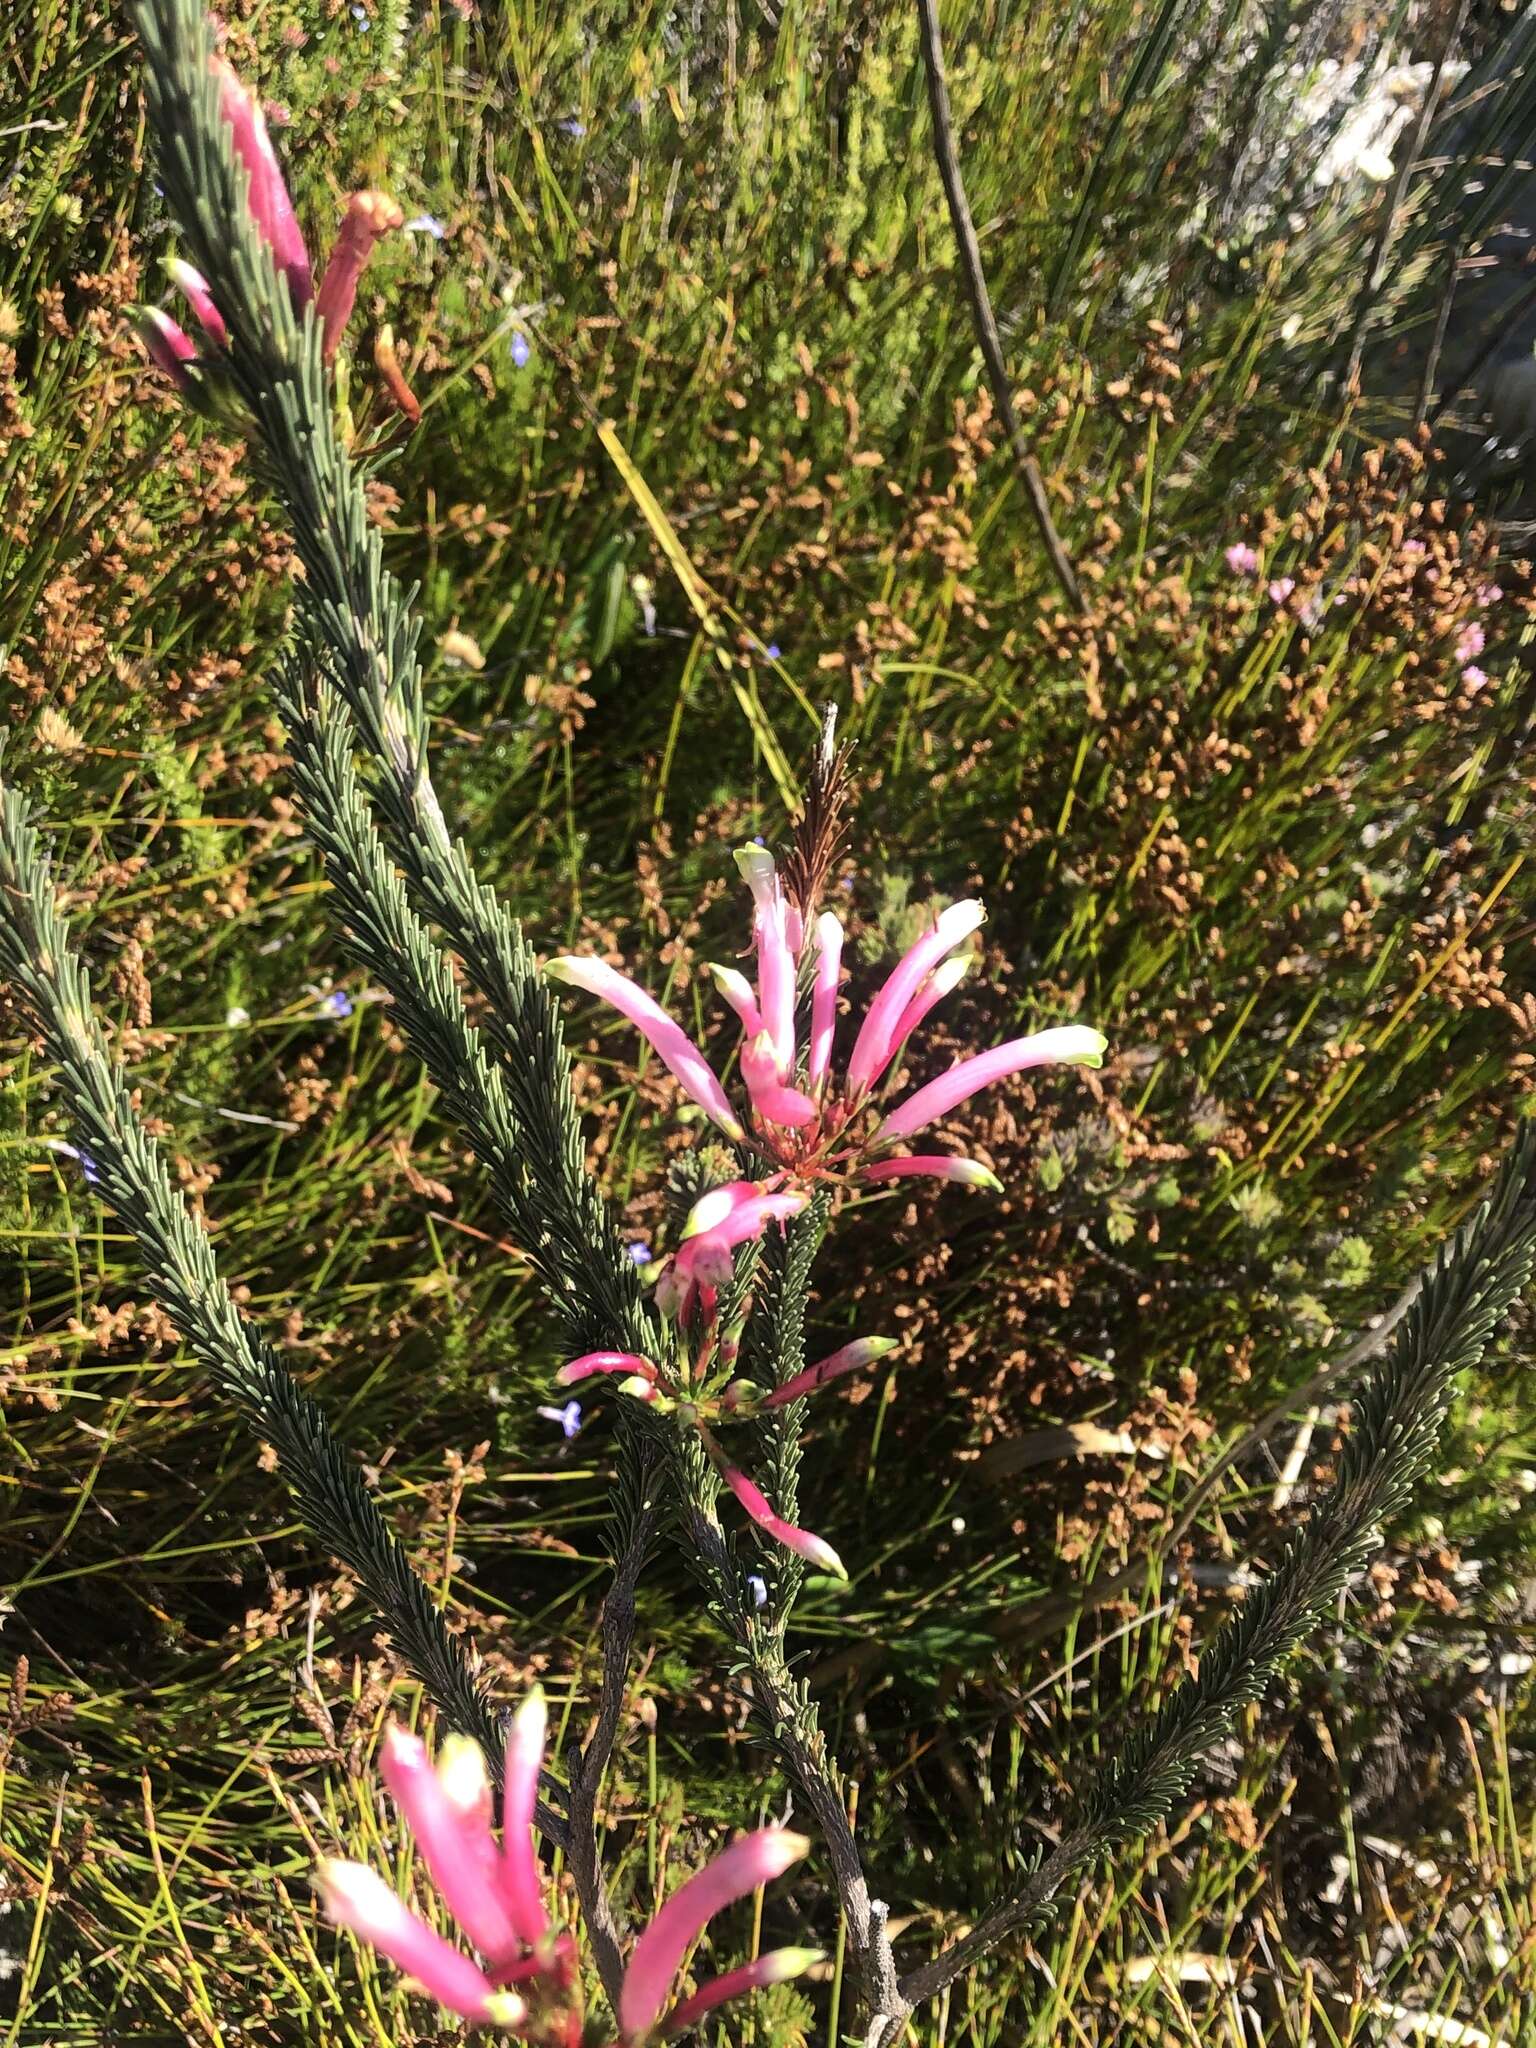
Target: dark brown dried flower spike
821,828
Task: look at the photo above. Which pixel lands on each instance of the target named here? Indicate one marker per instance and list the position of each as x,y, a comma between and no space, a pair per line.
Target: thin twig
980,303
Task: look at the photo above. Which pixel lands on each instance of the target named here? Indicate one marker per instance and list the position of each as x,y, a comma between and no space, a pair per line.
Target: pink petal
591,1362
738,992
357,1898
771,1100
1069,1045
667,1039
521,1885
751,1860
271,208
457,1846
193,287
851,1358
711,1210
368,215
829,954
777,1967
877,1038
169,345
703,1262
937,1166
801,1541
945,977
775,961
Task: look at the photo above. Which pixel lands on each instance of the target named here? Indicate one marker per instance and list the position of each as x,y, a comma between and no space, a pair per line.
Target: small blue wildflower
772,650
337,1004
572,127
361,17
90,1169
758,839
520,349
568,1417
758,1588
426,224
846,885
640,1252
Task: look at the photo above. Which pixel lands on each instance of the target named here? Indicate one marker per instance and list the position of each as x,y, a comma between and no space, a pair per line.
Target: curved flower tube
970,1173
271,208
760,1510
878,1035
850,1358
751,1860
1070,1045
168,344
593,1362
368,215
829,956
193,287
668,1040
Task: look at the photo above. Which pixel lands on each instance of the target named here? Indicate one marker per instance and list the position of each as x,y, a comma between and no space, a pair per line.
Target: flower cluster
526,1981
810,1122
368,216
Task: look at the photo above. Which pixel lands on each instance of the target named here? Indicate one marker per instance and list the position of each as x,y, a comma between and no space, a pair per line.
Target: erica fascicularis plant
711,1367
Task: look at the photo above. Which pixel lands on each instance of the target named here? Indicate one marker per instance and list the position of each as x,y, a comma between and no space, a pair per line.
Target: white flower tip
708,1212
638,1387
788,1847
532,1718
821,1552
877,1347
505,2009
782,1964
755,863
972,1174
1091,1054
462,1774
564,967
346,1887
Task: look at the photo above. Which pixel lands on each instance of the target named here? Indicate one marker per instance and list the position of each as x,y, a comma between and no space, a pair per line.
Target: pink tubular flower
592,1362
496,1897
194,289
801,1541
849,1358
368,215
777,1967
878,1035
668,1040
1070,1045
704,1257
970,1173
169,345
823,1126
775,962
829,955
357,1898
271,208
1241,559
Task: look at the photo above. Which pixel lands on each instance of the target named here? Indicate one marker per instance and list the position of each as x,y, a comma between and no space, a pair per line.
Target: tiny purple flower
772,650
90,1169
572,127
1241,559
568,1417
337,1004
521,350
640,1252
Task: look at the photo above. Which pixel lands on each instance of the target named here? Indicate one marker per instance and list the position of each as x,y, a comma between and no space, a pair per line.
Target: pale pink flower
761,1511
668,1040
1489,593
271,208
750,1861
169,345
194,289
1068,1045
1241,559
1473,677
848,1358
495,1894
970,1173
368,215
1470,642
1281,589
824,1127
